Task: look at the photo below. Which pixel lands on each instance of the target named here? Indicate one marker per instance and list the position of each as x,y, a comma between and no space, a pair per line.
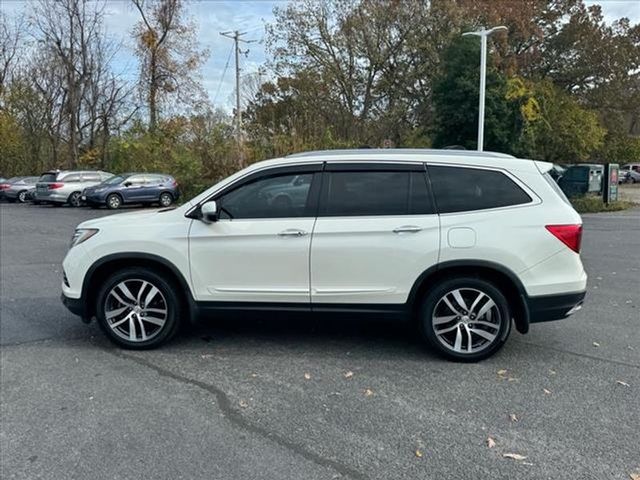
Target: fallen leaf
206,355
491,442
624,384
512,379
418,454
634,476
348,374
243,404
513,417
552,372
514,456
546,392
502,372
368,392
596,344
307,376
254,375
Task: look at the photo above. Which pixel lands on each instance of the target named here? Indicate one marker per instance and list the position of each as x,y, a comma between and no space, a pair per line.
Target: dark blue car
128,188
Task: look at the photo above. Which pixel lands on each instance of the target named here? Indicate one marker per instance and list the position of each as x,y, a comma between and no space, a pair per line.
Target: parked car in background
19,190
5,184
631,166
629,176
133,188
63,186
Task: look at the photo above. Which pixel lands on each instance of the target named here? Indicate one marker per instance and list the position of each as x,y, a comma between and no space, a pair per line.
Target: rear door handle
407,229
292,232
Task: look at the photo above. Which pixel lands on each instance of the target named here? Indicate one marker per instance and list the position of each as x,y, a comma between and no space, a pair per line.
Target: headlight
82,235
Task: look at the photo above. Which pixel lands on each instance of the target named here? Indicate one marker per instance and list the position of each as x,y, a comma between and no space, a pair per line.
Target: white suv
463,242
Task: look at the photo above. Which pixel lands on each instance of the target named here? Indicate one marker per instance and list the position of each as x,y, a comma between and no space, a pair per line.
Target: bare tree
169,57
70,29
11,37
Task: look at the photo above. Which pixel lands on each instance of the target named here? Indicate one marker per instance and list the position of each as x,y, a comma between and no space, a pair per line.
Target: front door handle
292,232
407,229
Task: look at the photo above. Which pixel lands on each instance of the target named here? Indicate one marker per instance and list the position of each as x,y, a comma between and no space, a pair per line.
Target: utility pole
235,35
483,34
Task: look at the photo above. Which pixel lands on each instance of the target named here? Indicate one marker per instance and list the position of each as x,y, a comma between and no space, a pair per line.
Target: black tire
114,201
75,200
22,196
166,199
466,286
168,293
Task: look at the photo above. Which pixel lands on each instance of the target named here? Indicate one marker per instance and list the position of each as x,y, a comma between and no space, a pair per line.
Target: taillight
4,186
570,235
174,184
53,186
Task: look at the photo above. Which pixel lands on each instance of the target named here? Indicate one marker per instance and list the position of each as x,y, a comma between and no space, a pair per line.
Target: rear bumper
50,197
546,308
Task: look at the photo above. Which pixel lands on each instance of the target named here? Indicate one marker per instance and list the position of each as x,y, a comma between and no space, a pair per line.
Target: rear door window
366,193
463,189
91,177
71,178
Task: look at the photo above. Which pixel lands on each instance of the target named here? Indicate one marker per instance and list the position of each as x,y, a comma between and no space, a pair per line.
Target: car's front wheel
22,197
138,309
465,319
75,199
114,201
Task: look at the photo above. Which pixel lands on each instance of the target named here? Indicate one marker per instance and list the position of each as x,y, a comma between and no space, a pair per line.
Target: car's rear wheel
138,309
166,199
114,201
465,319
75,199
22,196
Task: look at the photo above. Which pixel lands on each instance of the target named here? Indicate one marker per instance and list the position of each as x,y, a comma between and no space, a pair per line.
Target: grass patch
593,204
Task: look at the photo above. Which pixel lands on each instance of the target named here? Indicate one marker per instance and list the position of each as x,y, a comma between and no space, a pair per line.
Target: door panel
133,188
362,259
251,260
258,251
376,232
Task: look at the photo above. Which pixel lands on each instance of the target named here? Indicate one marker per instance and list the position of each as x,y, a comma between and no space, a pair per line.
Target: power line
226,65
236,37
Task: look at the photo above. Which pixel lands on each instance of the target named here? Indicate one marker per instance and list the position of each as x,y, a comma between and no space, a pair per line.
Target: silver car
65,186
20,188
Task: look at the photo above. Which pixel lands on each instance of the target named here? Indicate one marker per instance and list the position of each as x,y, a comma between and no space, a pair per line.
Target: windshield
48,177
114,180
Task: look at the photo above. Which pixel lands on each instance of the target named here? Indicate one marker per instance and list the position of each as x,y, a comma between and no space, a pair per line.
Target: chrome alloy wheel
135,310
466,320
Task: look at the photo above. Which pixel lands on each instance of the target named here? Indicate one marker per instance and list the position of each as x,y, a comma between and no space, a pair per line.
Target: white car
465,243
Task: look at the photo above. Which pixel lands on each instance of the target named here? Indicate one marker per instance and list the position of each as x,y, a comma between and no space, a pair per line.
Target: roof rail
400,151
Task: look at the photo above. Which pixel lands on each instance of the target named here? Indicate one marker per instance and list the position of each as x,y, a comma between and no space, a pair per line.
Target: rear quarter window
463,189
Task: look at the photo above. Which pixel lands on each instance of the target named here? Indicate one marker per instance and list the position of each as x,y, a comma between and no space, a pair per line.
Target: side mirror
209,212
127,184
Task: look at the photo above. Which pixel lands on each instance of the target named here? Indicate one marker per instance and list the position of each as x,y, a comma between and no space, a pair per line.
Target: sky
215,16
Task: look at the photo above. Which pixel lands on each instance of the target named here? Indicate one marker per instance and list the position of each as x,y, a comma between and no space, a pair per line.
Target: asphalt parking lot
309,400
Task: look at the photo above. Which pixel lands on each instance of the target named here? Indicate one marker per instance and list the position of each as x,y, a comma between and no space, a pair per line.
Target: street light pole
483,34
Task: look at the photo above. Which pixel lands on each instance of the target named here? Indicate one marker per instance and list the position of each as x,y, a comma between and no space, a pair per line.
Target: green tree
455,102
563,131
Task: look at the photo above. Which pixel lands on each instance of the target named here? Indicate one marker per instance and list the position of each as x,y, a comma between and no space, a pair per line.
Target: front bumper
77,306
94,198
546,308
